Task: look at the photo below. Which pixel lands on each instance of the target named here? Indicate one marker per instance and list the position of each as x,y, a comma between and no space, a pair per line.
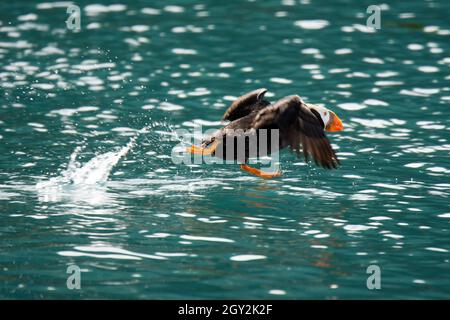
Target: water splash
97,169
93,172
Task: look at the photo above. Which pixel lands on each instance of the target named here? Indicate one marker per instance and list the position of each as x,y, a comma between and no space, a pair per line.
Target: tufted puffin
300,126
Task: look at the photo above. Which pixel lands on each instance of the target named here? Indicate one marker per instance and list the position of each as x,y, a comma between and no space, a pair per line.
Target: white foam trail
97,169
94,171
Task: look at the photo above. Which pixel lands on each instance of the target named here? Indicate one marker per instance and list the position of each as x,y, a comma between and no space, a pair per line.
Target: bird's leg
259,173
204,151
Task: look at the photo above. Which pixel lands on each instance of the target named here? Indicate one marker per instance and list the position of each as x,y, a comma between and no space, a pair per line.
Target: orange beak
335,124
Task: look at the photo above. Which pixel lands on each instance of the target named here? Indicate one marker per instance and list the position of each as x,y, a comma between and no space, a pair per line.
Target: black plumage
300,128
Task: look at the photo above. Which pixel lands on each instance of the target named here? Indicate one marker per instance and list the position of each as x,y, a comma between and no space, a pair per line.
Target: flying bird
299,125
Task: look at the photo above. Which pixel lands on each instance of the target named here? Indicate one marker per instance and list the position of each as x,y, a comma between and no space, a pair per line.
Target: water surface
86,176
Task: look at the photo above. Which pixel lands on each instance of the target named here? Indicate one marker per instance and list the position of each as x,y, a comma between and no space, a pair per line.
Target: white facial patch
325,117
324,113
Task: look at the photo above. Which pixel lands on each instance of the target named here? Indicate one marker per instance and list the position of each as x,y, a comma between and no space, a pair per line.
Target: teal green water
86,175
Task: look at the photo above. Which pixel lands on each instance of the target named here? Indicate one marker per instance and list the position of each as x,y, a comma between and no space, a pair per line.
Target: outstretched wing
298,126
246,104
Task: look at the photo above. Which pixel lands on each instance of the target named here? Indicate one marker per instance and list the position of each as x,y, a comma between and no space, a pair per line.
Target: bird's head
331,121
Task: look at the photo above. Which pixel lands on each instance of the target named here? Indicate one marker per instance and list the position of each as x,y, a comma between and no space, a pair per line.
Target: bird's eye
325,113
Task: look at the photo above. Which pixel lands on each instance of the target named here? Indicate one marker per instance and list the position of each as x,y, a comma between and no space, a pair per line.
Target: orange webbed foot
204,151
259,173
194,150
